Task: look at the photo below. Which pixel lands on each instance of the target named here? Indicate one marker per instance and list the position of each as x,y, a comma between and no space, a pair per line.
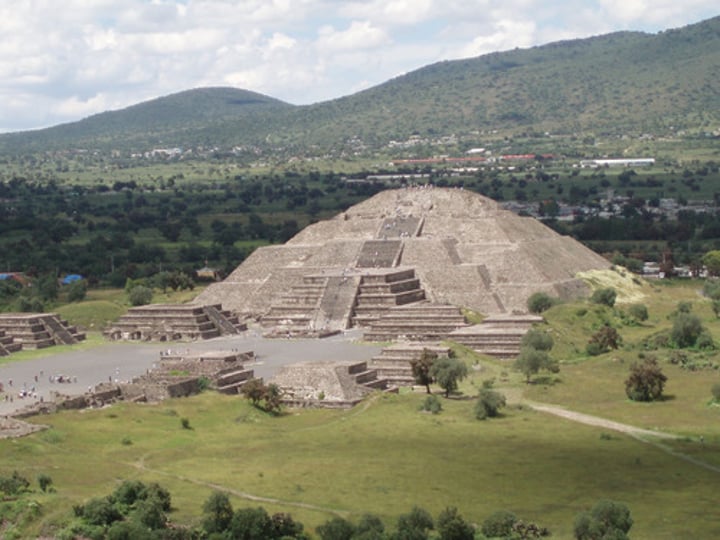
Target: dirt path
646,436
241,494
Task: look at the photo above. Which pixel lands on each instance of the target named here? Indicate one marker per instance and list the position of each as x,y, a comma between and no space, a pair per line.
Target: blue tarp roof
71,278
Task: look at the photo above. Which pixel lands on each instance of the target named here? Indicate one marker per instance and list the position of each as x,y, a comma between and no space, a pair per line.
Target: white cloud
60,61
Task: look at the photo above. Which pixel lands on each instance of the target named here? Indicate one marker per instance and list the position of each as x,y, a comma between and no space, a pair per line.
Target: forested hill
611,84
178,119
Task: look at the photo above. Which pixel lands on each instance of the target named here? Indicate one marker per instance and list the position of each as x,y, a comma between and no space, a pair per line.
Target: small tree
639,312
500,524
603,340
77,290
646,380
431,404
448,372
686,329
140,295
217,513
488,404
530,361
605,297
452,526
539,302
421,368
537,339
336,528
606,520
272,398
414,525
254,390
711,260
251,524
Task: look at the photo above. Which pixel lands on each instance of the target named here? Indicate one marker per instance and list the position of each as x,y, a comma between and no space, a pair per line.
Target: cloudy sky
63,60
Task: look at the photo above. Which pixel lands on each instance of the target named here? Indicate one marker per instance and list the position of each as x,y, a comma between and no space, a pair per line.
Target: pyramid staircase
423,321
393,364
165,322
499,336
36,331
368,377
379,292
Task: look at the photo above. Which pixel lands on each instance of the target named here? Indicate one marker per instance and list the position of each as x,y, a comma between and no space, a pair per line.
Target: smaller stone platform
35,331
498,336
175,322
422,321
328,384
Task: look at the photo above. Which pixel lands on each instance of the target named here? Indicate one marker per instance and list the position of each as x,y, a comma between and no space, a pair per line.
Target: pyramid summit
445,245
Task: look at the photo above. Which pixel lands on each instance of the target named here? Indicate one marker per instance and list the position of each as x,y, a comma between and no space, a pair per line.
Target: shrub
452,526
603,340
488,404
686,330
77,291
140,295
185,423
500,524
639,312
431,404
705,341
538,340
44,481
646,380
605,297
539,302
336,528
607,519
715,390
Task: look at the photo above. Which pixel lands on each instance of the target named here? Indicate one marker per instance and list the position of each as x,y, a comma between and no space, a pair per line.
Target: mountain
607,85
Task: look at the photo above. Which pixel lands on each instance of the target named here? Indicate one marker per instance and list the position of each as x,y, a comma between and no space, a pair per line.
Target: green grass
381,457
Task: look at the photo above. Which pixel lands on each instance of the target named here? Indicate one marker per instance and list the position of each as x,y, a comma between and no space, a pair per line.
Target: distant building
632,162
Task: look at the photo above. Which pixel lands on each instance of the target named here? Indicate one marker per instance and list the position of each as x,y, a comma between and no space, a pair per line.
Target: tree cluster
264,396
534,354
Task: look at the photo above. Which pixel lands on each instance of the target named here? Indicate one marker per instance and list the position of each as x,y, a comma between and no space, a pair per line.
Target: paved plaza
121,361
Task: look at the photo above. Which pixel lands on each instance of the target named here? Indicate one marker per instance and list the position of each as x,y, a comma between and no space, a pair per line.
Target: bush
686,330
44,481
185,423
603,340
604,297
77,291
646,380
336,528
639,312
607,519
715,390
538,340
539,302
705,341
431,404
140,295
500,524
452,526
488,404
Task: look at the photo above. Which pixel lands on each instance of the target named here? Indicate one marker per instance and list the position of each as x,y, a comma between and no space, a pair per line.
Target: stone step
404,297
390,287
365,376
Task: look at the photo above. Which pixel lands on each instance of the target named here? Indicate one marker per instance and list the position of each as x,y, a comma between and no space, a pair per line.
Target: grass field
384,456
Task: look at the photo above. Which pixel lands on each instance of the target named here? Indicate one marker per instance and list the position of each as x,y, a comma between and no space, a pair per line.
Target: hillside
605,85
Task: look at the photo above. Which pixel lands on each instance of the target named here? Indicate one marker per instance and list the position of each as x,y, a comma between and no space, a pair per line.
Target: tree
140,295
414,525
500,524
272,398
537,339
251,524
452,526
254,390
421,368
605,297
217,513
370,527
711,260
603,340
284,527
77,290
639,312
607,520
686,329
530,361
448,372
646,380
488,404
336,528
539,302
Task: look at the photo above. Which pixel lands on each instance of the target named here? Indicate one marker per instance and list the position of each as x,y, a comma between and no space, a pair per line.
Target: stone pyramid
463,247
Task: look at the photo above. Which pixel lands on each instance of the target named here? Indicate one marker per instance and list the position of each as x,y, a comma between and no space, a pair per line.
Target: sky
64,60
